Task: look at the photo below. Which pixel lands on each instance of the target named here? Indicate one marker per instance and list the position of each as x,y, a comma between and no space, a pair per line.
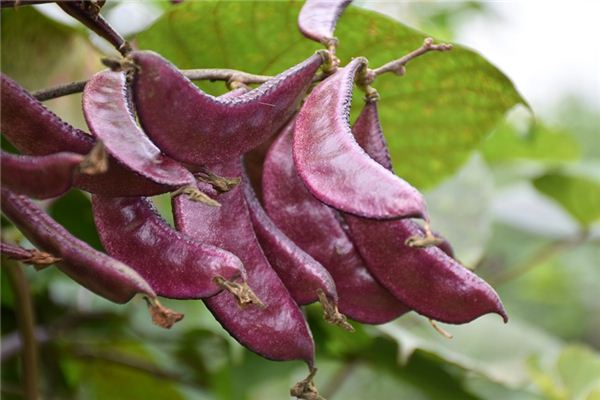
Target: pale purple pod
174,265
334,167
318,18
92,269
316,229
301,274
110,120
40,177
35,130
278,331
196,128
426,279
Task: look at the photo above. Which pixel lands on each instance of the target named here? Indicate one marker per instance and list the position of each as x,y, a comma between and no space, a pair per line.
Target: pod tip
161,315
306,389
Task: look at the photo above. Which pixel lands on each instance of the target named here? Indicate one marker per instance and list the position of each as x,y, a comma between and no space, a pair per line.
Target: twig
25,321
544,254
228,75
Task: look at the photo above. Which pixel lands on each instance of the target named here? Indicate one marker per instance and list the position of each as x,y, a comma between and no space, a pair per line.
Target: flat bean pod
426,279
98,272
194,127
109,118
35,130
276,331
317,19
316,229
40,177
334,167
174,265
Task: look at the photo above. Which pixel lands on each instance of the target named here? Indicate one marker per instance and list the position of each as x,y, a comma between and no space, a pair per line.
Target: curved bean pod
98,272
317,19
174,265
316,229
334,167
40,177
193,127
278,331
35,130
109,118
426,279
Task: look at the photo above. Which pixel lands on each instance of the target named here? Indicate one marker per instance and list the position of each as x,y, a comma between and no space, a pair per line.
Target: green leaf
579,369
433,117
578,195
542,143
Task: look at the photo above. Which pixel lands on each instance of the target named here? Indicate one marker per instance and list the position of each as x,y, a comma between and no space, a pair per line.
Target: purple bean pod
35,130
317,19
98,272
110,120
196,128
316,229
174,265
40,177
334,167
276,331
28,256
426,279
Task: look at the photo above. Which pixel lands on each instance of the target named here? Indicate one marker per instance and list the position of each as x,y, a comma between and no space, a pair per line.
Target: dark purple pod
109,118
193,127
35,130
276,331
98,272
87,13
316,229
334,167
174,265
28,256
40,177
317,19
426,279
304,277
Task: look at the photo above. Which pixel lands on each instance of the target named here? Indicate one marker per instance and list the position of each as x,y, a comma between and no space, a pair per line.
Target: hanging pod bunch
278,201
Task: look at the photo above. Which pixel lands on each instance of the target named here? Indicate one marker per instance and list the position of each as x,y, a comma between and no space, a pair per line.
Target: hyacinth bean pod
317,19
316,229
98,272
276,331
109,118
304,277
196,128
174,265
426,279
40,177
28,256
334,167
35,130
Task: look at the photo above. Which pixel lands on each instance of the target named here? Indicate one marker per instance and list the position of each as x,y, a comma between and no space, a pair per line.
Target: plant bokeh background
511,175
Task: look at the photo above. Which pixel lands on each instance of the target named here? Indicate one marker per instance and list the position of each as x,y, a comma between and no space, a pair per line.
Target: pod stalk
331,313
161,315
196,195
306,389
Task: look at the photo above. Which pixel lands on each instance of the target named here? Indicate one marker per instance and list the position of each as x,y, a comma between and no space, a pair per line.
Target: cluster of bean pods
320,216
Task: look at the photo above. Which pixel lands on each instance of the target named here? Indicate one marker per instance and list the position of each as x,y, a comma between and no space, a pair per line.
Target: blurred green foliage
444,109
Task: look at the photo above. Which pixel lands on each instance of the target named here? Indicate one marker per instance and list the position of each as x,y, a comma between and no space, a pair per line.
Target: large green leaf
579,195
433,117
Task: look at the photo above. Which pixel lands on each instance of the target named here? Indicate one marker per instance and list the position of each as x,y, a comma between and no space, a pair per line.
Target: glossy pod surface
316,229
191,126
174,265
109,118
301,274
426,279
92,269
278,331
35,130
334,167
317,18
40,177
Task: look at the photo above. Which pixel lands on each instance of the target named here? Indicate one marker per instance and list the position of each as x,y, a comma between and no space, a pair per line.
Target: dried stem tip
41,259
196,195
242,292
331,313
161,315
424,241
306,389
440,330
221,184
96,161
